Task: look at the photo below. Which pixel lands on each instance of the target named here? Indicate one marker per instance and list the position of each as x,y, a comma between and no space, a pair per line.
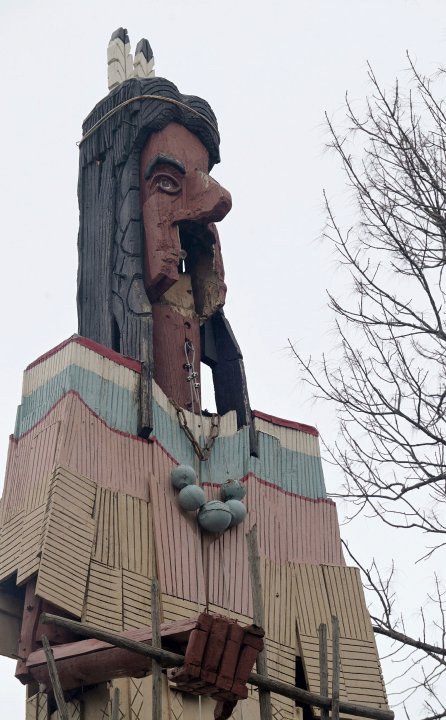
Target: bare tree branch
387,376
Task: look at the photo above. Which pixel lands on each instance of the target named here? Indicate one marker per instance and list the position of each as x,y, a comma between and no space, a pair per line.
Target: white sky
269,70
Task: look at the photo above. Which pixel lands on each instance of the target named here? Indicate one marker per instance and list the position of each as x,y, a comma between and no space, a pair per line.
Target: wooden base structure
88,513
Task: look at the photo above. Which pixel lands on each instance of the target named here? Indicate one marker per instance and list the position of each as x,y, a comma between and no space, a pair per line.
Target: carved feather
144,62
119,59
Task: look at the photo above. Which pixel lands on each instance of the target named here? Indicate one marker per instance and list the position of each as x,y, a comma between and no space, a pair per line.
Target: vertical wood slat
336,669
115,704
258,617
323,666
156,642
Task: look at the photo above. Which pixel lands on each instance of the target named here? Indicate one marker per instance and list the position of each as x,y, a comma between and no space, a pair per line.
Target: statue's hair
136,118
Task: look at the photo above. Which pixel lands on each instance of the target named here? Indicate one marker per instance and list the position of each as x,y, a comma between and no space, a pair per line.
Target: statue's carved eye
168,184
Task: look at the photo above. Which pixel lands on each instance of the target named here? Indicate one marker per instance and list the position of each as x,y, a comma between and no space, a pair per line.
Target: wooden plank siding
103,598
10,546
323,591
89,508
31,544
67,541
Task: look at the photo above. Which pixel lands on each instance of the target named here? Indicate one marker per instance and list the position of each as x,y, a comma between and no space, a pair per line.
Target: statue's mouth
197,259
196,237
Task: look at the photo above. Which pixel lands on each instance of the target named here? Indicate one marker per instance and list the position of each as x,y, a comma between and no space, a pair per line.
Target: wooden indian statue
120,491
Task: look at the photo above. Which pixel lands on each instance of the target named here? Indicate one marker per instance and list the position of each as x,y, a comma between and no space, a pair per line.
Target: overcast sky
269,70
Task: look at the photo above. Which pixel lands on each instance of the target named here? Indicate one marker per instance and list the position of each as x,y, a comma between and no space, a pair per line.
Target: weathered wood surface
54,679
323,591
93,661
174,659
336,669
258,617
170,329
157,709
323,667
10,623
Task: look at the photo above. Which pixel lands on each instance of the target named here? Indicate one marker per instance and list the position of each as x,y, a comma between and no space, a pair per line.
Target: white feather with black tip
119,59
144,62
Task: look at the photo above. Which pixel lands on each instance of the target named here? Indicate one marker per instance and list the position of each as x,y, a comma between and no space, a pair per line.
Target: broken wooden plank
54,678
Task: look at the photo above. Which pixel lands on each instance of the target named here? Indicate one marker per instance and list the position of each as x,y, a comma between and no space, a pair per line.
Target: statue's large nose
207,201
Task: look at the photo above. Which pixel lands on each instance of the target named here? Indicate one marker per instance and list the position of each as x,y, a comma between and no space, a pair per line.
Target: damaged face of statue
180,204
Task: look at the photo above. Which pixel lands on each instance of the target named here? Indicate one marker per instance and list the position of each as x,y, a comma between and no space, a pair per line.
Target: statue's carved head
180,204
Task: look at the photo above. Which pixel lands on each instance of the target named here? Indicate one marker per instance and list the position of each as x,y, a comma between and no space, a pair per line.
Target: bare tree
389,387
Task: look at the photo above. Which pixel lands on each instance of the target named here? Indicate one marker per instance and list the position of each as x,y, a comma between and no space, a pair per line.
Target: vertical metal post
323,667
156,642
258,617
336,669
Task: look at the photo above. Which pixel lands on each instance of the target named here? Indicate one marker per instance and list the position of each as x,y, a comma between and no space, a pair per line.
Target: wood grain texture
67,541
320,592
37,707
103,598
31,544
10,623
136,599
10,546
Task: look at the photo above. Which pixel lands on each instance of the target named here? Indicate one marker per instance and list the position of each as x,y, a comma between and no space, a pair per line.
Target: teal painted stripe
116,405
292,471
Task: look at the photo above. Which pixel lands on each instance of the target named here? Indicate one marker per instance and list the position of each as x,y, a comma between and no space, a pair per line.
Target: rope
100,122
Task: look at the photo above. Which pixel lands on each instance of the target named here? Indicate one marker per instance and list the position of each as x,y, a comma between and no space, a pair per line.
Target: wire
100,122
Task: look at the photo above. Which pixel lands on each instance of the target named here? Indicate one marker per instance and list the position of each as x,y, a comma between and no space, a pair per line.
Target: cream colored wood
103,606
10,545
31,544
289,437
347,602
280,610
67,541
312,606
37,707
76,354
74,709
136,599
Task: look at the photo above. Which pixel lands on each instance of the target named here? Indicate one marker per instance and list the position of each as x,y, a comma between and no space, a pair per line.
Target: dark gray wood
258,617
323,666
156,643
170,659
221,352
144,47
115,704
54,677
336,669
